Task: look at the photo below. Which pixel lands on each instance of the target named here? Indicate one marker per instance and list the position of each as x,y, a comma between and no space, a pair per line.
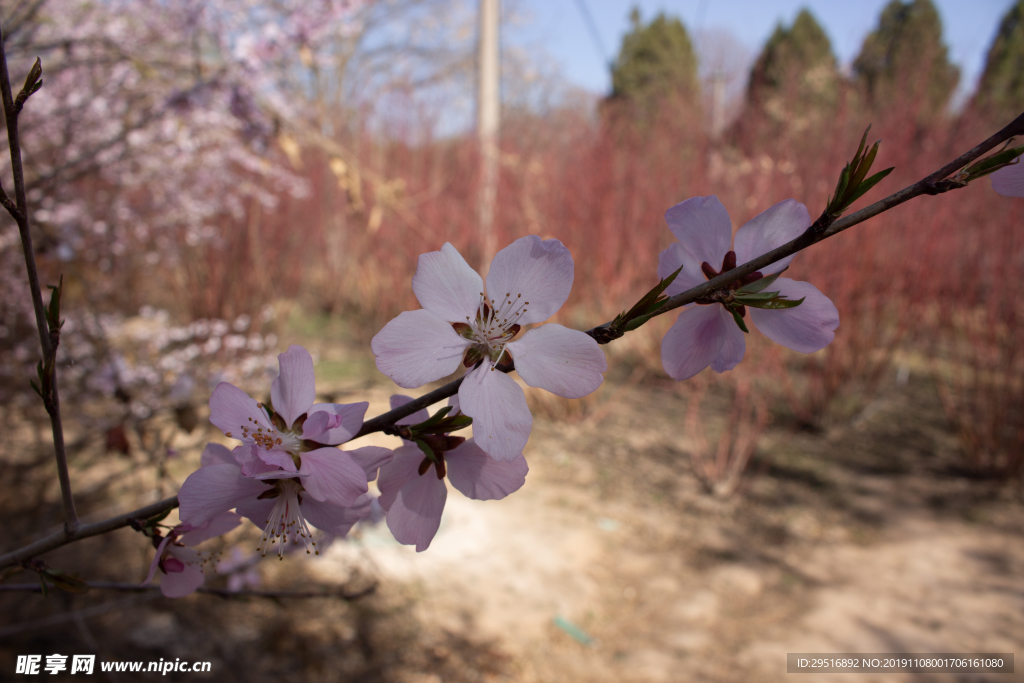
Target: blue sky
558,25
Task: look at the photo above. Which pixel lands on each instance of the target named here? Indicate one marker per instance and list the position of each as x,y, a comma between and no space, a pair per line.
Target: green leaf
993,163
756,296
758,285
53,310
739,321
156,519
776,304
868,184
427,450
433,420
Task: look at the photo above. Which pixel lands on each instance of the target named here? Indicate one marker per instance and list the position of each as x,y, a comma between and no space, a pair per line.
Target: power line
595,35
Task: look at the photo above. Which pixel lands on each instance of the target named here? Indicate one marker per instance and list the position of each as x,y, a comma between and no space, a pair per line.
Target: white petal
690,276
1009,180
734,345
807,328
541,271
501,419
294,390
695,340
212,490
446,285
418,347
348,416
481,477
415,514
776,226
563,361
703,228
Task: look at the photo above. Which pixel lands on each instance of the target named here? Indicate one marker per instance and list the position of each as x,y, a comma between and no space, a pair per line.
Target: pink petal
501,419
695,340
333,476
418,347
371,458
155,564
420,415
446,286
212,490
703,228
257,511
294,390
1009,180
690,276
215,454
481,477
185,582
734,345
772,228
394,475
563,361
335,519
415,514
231,409
807,328
539,270
247,456
218,526
276,458
453,403
343,422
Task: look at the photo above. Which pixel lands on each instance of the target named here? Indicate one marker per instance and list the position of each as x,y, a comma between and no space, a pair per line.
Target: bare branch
339,593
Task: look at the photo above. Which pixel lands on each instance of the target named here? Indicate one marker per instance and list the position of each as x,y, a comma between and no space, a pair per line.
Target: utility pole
487,117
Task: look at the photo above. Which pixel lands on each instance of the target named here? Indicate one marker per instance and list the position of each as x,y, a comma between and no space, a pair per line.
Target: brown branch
48,337
222,592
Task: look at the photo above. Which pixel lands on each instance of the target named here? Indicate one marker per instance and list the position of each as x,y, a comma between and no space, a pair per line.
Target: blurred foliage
1000,95
656,62
904,61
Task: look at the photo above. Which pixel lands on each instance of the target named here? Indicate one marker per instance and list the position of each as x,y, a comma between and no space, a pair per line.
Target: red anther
729,262
742,310
709,272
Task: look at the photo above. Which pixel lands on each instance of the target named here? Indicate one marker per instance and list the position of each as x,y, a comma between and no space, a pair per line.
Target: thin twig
48,338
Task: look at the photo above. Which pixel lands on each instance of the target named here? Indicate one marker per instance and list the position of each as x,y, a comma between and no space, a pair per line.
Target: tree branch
222,592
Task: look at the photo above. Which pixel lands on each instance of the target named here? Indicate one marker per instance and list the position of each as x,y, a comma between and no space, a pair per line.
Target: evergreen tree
656,62
904,63
795,75
1000,93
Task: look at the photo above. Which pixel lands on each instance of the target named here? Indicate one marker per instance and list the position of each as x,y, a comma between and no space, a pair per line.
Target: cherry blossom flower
279,442
1009,180
182,567
412,487
459,323
706,335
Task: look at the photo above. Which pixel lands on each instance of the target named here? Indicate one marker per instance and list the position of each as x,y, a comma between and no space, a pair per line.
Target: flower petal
394,475
294,390
695,340
415,514
501,419
807,328
218,526
185,582
344,422
420,415
1009,180
231,409
418,347
333,476
734,345
371,458
690,276
772,228
215,454
212,490
274,457
703,228
563,361
481,477
446,285
257,511
247,456
335,519
539,270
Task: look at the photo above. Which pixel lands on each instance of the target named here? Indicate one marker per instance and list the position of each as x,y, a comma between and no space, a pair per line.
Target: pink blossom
413,491
182,566
708,334
528,282
1009,180
276,443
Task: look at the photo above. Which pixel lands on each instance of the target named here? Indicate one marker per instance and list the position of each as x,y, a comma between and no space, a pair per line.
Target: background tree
1000,92
904,64
656,64
795,78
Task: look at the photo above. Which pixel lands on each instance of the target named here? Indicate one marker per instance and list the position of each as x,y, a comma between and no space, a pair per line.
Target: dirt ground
614,564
